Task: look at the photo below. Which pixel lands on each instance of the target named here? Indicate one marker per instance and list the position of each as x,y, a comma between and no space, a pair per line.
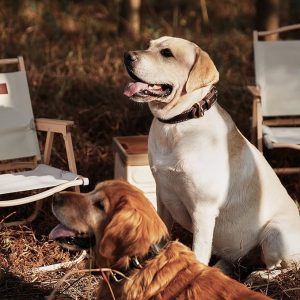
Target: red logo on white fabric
3,89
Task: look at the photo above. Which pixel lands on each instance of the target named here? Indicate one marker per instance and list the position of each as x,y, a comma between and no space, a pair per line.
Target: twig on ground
5,218
70,273
58,266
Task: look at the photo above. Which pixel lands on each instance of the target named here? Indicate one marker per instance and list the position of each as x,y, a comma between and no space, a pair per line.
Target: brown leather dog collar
138,263
197,110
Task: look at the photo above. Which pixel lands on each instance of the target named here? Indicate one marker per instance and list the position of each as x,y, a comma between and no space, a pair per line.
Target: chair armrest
254,90
53,125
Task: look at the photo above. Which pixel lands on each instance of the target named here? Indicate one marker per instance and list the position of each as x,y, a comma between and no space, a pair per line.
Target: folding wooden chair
19,147
276,96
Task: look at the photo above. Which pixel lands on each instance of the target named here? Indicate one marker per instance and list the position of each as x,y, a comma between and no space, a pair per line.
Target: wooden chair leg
287,170
48,147
70,155
37,209
259,127
254,122
70,152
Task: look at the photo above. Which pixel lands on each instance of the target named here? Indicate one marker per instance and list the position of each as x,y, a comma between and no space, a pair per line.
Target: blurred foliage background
73,52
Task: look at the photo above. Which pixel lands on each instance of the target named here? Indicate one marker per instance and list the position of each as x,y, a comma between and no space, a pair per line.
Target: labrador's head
167,70
115,216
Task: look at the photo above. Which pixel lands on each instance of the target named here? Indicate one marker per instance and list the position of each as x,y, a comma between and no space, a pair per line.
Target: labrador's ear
203,72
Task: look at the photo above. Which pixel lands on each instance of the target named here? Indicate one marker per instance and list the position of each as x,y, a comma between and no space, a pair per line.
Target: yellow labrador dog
209,178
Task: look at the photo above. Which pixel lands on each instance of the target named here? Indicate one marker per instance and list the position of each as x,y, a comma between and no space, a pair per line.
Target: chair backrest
277,73
18,138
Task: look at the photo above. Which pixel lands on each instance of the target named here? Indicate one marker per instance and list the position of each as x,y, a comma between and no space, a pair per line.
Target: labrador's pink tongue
134,87
60,231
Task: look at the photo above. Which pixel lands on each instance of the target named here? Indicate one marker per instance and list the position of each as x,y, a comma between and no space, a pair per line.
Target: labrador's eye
166,52
99,205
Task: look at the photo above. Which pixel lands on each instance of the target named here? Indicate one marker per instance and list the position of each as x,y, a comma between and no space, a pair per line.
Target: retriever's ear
203,72
131,231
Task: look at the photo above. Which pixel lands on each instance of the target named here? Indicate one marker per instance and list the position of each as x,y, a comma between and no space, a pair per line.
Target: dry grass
284,286
25,248
73,55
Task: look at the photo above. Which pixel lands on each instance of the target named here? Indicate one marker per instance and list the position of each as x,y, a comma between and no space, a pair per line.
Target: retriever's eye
166,52
99,205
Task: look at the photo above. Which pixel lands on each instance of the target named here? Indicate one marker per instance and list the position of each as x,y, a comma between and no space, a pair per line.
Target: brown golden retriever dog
130,237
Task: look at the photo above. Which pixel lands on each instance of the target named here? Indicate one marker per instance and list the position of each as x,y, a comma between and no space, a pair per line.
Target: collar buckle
198,111
135,262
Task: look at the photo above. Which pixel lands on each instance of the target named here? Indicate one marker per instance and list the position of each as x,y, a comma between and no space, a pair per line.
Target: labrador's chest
177,152
188,161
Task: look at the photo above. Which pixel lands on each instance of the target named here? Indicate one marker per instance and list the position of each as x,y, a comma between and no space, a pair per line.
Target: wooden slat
278,30
254,90
133,150
282,145
52,125
18,165
255,35
287,170
9,61
282,122
21,63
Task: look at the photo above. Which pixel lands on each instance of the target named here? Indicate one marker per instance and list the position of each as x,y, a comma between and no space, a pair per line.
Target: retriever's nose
130,56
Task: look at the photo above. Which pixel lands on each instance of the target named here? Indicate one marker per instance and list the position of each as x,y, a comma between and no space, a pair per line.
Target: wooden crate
131,163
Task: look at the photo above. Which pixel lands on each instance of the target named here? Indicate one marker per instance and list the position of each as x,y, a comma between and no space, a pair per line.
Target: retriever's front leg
203,230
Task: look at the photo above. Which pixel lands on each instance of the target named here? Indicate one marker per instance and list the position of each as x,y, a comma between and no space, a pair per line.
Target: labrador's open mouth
139,88
69,237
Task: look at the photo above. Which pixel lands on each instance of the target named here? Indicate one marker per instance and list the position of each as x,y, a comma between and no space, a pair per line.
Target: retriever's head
166,71
116,215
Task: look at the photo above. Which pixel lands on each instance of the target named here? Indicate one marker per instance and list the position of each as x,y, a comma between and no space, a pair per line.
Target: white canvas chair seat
41,177
19,146
281,135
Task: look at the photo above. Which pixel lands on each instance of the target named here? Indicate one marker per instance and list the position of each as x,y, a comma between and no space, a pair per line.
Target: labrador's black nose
130,56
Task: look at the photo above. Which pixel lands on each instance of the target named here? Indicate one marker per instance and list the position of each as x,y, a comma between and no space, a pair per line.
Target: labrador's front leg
164,213
203,230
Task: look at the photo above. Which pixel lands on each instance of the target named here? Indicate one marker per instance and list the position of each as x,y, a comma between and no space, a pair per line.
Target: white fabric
282,135
18,137
42,176
277,72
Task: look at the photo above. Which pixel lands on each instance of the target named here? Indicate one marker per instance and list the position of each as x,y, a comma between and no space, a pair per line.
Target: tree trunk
130,21
267,16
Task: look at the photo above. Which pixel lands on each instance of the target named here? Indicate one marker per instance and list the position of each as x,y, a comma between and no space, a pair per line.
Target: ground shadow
13,287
